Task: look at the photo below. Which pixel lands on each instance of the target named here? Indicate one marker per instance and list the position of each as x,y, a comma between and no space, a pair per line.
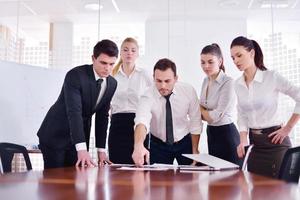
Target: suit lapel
92,87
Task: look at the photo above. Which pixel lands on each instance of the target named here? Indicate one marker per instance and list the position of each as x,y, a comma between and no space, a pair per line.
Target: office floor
18,163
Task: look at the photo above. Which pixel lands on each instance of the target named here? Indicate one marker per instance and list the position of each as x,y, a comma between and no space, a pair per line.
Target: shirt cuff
80,146
297,108
101,150
195,132
142,123
215,115
243,128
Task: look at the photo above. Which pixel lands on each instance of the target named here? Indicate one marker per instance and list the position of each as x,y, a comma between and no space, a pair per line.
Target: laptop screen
212,161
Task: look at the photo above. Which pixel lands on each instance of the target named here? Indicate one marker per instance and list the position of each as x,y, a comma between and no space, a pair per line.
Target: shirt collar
258,77
174,91
220,77
241,80
136,69
97,76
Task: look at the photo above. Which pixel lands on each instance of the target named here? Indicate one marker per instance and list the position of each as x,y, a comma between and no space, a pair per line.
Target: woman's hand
241,150
243,142
280,134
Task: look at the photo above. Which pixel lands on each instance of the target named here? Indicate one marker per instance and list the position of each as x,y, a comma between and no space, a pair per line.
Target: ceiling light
295,3
115,5
268,5
275,4
250,4
228,3
93,6
28,8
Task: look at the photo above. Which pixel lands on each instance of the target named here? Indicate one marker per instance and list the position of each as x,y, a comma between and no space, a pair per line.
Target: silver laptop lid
212,161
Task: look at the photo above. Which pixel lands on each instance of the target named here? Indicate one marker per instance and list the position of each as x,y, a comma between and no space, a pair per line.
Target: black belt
157,140
264,130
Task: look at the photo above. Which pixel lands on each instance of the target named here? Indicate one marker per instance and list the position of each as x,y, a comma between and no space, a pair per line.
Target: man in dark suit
88,89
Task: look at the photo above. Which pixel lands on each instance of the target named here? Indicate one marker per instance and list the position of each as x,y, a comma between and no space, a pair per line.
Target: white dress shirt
82,145
186,115
129,90
258,104
219,99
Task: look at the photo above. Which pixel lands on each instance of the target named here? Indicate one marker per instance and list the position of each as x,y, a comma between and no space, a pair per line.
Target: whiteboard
26,94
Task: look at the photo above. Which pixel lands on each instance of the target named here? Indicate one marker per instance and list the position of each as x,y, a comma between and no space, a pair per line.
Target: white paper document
143,168
121,165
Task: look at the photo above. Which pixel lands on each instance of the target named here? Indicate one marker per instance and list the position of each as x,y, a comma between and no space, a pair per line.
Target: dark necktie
98,88
169,121
98,85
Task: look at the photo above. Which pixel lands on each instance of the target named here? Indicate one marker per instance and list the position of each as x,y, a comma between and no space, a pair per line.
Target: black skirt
121,138
223,141
265,157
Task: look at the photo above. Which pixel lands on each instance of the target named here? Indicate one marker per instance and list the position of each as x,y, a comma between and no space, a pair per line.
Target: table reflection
111,183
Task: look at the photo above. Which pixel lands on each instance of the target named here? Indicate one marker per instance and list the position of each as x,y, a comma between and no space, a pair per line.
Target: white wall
185,42
26,94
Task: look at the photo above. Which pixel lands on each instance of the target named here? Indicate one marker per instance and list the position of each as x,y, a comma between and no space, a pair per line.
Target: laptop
212,162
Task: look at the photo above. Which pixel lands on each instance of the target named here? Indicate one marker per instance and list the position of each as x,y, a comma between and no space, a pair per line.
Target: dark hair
249,45
215,50
107,47
164,64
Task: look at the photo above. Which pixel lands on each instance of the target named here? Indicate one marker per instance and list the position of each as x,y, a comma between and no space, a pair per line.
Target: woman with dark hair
132,82
217,101
257,92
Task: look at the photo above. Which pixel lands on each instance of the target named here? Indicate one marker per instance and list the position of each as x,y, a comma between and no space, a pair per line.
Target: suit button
273,166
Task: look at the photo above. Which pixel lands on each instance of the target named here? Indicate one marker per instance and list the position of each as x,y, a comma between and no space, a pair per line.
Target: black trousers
54,158
223,141
161,152
121,138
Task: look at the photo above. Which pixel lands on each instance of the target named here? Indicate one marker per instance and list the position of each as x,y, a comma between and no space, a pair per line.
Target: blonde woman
132,82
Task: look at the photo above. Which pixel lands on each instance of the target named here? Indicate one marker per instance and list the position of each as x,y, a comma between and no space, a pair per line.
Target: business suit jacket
68,121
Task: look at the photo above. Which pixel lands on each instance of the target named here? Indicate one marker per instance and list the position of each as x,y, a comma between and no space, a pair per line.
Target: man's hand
140,155
84,159
102,159
195,151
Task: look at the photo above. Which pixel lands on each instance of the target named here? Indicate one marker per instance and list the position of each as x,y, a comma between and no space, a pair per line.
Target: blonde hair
117,67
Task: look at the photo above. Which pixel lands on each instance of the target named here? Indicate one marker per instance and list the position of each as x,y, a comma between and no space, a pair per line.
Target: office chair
7,151
290,167
248,149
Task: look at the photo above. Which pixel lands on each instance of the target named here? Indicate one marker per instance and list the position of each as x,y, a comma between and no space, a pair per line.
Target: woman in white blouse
217,102
132,82
257,92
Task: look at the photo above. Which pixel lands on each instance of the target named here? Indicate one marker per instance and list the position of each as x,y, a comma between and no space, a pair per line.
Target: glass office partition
62,33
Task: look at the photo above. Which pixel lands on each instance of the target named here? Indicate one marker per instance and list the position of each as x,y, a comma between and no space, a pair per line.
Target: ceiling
34,14
136,10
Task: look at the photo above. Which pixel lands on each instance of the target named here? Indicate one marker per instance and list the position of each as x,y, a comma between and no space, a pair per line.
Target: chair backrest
290,167
7,151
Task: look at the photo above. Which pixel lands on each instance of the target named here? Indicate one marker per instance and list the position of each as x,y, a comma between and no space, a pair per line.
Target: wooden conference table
110,183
